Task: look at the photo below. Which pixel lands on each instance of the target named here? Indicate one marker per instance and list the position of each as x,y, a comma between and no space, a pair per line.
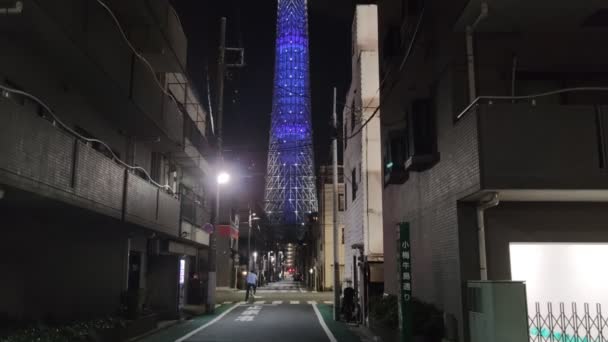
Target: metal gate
568,324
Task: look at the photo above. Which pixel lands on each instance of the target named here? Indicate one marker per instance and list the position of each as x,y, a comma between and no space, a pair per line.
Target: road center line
325,328
183,338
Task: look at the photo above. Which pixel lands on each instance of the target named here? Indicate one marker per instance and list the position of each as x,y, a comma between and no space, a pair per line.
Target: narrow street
281,310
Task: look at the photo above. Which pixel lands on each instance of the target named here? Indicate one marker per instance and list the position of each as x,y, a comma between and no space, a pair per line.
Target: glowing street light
223,178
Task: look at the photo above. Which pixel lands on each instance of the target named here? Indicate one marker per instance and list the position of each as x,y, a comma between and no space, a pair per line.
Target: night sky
248,92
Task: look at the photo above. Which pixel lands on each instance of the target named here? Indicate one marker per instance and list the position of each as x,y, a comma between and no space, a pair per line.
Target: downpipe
17,9
471,52
481,233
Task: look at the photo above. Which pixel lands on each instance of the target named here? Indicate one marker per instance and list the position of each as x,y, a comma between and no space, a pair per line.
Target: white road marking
227,302
244,319
328,302
277,302
301,290
188,335
325,328
294,302
242,302
312,302
217,305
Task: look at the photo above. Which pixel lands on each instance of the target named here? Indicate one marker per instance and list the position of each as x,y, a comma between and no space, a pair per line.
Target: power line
386,77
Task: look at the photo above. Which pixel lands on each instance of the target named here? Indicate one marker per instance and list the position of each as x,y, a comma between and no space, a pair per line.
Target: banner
405,282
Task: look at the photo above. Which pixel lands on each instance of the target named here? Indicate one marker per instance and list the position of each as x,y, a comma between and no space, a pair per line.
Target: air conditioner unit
497,311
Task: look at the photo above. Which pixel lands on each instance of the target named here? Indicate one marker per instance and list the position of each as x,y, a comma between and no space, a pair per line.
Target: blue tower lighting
290,181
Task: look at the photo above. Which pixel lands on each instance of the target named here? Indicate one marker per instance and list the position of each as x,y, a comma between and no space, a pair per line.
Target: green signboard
405,282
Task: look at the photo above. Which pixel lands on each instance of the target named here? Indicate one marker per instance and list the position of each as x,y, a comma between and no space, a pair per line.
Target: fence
570,325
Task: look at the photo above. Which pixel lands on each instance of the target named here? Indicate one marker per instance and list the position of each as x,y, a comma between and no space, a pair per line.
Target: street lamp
223,178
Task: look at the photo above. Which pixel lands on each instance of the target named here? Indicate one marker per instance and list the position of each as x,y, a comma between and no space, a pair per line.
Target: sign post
405,282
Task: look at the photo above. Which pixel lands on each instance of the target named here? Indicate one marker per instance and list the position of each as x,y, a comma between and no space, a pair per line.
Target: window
395,152
342,235
353,183
345,197
353,117
344,132
341,202
421,136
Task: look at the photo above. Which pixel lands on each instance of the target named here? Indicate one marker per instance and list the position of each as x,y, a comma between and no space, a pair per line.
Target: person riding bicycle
252,282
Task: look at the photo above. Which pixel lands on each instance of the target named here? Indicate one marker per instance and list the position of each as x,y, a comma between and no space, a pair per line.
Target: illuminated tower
290,181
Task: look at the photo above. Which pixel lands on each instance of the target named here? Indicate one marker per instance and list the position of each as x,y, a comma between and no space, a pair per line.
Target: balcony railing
37,157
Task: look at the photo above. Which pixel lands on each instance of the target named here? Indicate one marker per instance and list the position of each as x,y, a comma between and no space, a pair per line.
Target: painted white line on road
328,302
312,302
260,302
301,290
217,305
275,302
190,334
294,302
325,328
241,302
227,302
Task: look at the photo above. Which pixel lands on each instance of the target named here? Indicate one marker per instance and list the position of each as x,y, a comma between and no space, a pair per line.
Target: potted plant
427,322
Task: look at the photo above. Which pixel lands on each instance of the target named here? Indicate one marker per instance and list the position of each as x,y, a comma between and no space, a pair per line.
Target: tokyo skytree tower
290,179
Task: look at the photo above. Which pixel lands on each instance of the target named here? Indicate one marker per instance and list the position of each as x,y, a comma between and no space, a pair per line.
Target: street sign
208,227
405,282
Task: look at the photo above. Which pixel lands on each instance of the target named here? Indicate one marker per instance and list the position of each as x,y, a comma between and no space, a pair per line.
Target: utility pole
221,75
221,67
249,243
335,207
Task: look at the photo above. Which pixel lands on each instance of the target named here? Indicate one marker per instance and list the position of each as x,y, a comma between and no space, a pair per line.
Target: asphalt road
285,290
265,322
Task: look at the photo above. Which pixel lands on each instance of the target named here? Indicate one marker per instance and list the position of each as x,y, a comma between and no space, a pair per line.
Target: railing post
74,170
550,321
124,194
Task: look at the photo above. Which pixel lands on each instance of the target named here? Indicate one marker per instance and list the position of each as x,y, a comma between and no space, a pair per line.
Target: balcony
557,147
532,16
37,157
158,34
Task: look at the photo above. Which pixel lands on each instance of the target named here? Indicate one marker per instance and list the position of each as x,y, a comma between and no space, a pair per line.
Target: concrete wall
540,222
62,270
326,227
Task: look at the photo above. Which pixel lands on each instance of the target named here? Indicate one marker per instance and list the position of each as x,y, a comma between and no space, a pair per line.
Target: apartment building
103,160
363,234
494,135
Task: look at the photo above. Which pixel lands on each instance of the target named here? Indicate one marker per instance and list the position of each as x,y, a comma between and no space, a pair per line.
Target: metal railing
563,324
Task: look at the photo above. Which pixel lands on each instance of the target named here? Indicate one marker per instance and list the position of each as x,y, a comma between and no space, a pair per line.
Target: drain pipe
17,9
471,53
481,234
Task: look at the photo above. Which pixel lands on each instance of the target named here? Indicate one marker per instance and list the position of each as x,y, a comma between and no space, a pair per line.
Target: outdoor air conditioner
497,311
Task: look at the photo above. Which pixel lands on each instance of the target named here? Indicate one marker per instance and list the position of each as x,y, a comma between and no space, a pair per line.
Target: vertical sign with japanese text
405,282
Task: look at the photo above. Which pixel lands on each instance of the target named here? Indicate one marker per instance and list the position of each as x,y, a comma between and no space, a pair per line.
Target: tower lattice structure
290,180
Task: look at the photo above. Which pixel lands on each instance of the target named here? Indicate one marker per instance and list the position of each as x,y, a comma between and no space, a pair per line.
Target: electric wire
386,77
141,57
76,134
